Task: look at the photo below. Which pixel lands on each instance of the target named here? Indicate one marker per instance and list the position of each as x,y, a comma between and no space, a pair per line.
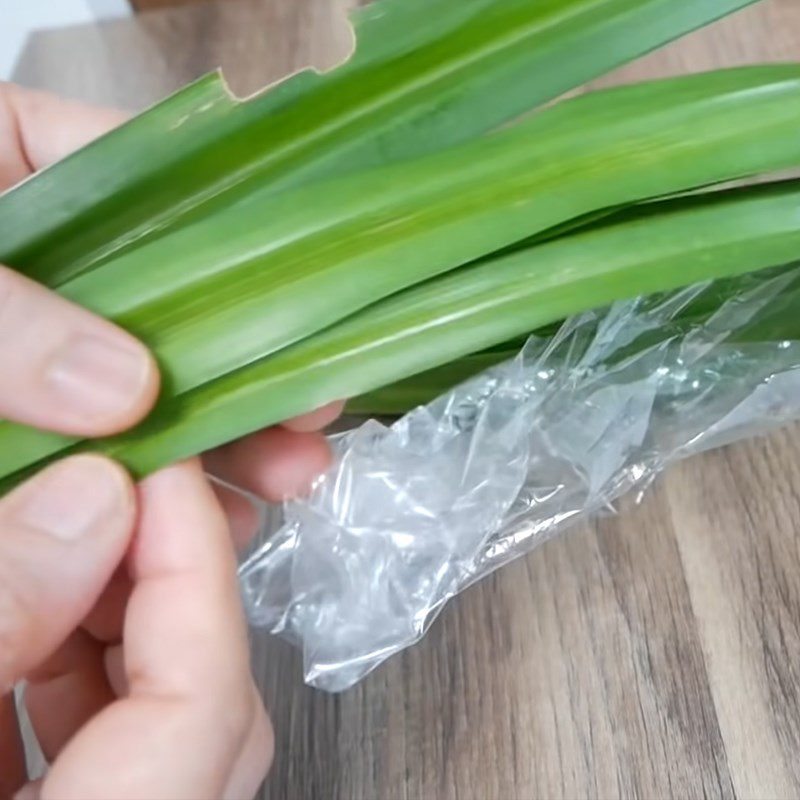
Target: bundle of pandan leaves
404,215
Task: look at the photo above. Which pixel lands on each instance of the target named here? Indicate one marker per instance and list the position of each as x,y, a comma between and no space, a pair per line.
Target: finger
75,678
31,791
115,670
243,516
62,535
258,750
316,420
105,621
12,755
38,129
65,369
189,707
66,691
275,464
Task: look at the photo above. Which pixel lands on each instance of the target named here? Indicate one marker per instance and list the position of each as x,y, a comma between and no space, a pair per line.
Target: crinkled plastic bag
413,513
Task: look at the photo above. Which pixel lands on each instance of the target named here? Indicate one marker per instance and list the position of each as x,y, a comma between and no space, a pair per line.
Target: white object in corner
20,19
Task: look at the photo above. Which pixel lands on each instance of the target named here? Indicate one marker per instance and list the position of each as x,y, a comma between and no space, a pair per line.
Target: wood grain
651,654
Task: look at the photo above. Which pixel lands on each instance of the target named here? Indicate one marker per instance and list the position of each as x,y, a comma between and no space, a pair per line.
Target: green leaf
274,269
655,248
418,390
427,74
777,321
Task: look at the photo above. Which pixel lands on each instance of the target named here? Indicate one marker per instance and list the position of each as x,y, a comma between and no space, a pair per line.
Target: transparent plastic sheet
412,513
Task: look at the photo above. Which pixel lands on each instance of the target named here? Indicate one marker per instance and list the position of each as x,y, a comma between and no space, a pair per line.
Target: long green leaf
274,269
658,248
313,257
427,74
777,323
409,393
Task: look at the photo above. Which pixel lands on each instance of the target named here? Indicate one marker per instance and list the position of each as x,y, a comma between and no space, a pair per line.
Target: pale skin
118,603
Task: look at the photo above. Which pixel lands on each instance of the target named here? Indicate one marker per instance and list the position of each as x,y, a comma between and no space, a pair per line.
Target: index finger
190,706
110,380
38,128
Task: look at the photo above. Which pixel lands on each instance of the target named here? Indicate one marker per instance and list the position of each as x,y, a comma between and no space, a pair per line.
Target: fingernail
98,377
73,498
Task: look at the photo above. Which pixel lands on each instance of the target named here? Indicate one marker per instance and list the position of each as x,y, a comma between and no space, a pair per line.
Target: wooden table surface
654,654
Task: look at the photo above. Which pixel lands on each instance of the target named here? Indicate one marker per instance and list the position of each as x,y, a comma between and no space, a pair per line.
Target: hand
167,709
78,374
136,690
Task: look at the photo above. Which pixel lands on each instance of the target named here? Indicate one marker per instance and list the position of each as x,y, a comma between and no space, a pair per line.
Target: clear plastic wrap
412,513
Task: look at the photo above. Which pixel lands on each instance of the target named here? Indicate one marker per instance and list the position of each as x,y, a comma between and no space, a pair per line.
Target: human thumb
62,535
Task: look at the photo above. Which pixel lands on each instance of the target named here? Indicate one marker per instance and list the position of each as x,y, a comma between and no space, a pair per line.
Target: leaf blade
402,94
654,249
304,260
